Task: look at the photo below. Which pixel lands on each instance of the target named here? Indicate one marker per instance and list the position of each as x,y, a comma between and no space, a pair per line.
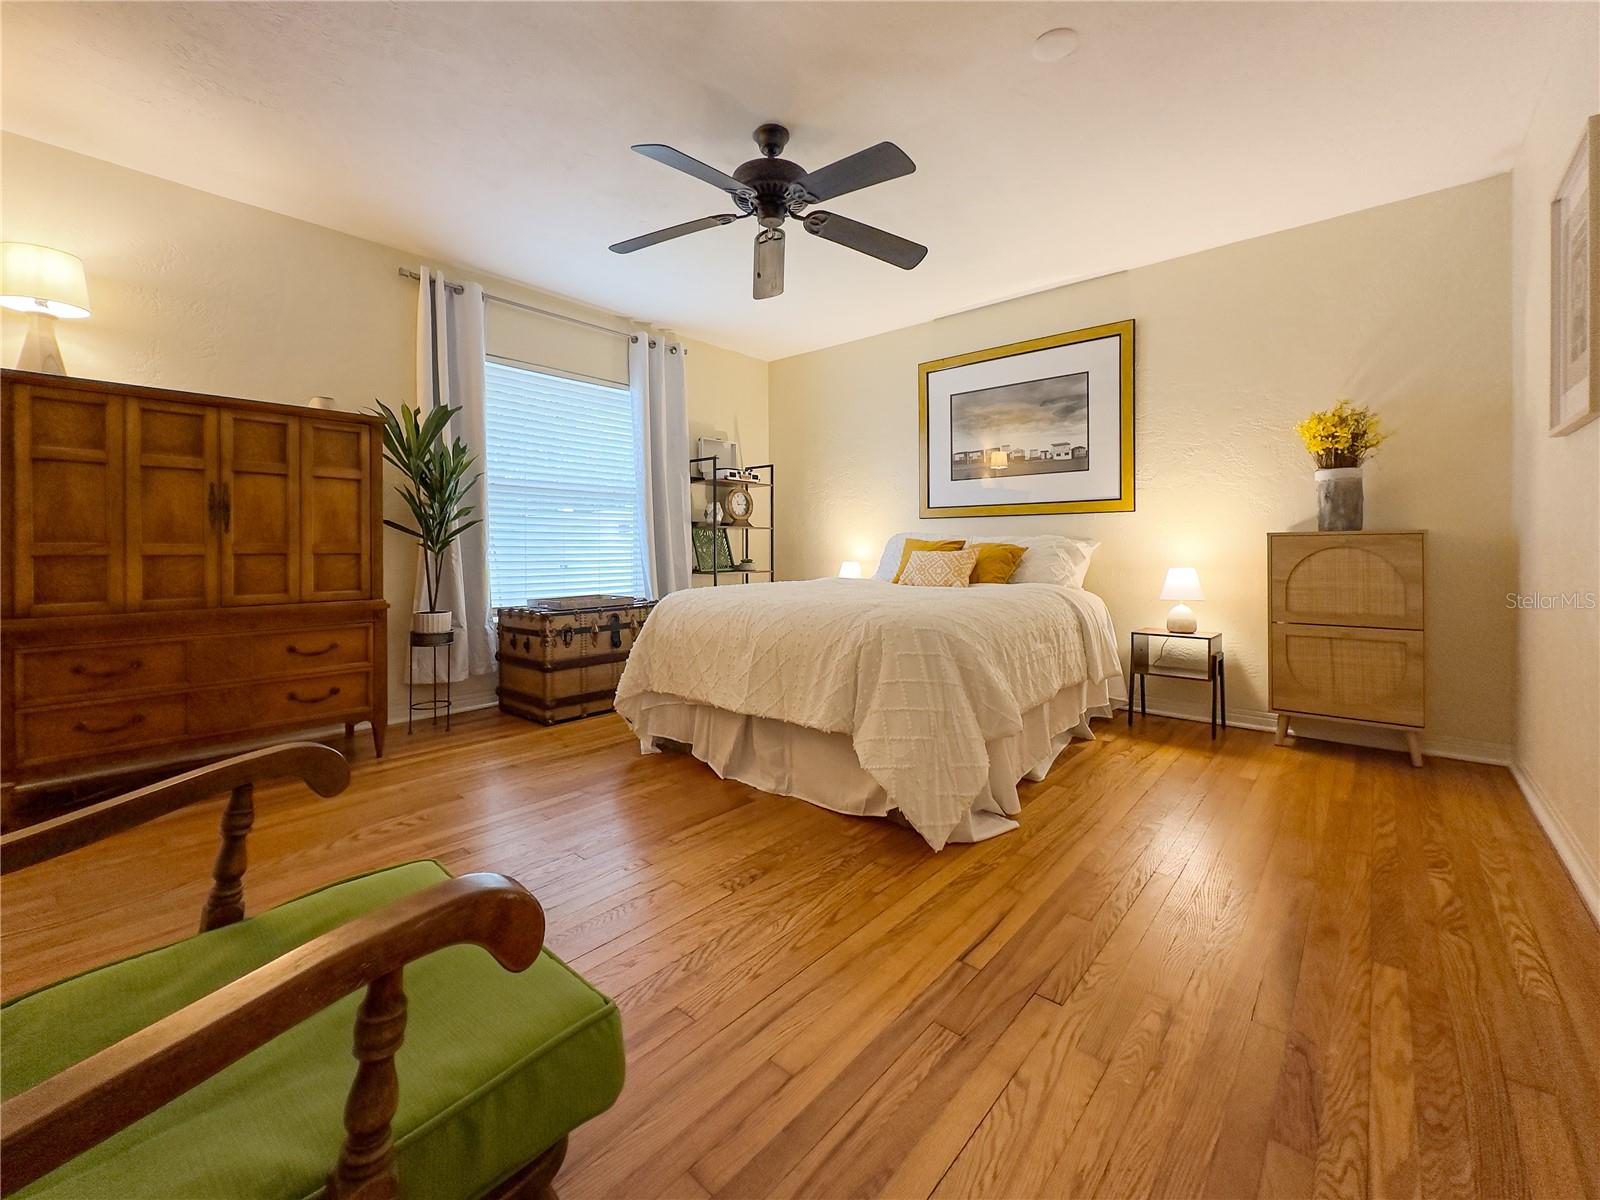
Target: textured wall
1404,307
1557,496
193,291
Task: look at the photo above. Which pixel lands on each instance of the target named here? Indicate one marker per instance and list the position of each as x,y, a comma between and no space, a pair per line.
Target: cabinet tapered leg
1414,746
1281,738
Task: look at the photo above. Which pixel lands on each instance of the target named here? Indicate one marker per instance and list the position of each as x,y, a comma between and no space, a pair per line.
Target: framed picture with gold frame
1575,289
1042,426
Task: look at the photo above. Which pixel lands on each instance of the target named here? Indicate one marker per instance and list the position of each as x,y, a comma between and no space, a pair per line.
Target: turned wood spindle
225,904
366,1161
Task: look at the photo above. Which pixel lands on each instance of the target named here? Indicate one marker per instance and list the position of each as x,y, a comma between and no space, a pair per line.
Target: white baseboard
1568,848
1440,746
471,694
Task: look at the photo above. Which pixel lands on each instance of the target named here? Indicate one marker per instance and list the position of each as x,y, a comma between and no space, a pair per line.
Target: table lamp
850,569
1183,583
45,284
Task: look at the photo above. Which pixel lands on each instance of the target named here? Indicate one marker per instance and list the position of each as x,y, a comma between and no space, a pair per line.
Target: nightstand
1141,666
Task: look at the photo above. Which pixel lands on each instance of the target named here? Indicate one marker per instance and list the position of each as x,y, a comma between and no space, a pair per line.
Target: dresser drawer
1367,579
1363,674
295,701
269,655
88,730
46,675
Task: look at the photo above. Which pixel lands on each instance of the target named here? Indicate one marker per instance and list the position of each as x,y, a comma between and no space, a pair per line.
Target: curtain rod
543,312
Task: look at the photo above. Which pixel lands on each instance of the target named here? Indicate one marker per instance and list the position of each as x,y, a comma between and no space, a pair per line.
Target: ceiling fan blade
769,265
673,231
875,164
898,251
693,166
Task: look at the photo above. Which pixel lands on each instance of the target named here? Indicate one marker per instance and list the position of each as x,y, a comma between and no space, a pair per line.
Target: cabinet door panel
68,507
1361,674
172,544
335,531
261,528
1373,579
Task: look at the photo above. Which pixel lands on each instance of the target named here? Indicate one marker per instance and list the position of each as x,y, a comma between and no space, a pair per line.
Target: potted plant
435,490
1340,439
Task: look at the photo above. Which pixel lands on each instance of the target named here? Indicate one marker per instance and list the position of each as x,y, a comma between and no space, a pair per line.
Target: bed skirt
822,768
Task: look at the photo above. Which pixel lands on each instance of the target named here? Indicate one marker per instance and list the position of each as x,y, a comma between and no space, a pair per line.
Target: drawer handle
80,669
328,695
85,727
331,646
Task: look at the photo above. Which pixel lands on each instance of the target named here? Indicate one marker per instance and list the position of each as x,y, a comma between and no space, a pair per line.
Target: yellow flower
1341,436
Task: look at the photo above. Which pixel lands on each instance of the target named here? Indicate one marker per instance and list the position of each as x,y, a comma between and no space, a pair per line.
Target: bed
870,698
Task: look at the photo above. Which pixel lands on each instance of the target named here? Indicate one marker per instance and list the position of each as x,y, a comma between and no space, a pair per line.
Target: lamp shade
1183,583
37,279
850,569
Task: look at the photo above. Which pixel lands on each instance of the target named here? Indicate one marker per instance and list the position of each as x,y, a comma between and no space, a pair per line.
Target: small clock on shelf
736,502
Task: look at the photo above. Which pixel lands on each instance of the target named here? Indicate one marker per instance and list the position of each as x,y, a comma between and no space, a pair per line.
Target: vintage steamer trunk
561,659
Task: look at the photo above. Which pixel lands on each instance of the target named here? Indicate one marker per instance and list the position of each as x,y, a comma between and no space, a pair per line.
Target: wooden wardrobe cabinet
182,571
1347,636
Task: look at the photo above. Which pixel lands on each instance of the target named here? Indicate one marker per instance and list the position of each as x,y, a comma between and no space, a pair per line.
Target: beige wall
193,291
1556,498
1403,307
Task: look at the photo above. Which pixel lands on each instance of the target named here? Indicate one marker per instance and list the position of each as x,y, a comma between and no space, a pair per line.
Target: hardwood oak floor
1198,969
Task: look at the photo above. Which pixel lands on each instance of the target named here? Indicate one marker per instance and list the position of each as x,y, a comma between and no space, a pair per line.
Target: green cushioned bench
495,1068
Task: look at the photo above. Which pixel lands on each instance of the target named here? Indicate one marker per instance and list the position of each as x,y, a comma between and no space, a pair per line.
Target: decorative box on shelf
561,658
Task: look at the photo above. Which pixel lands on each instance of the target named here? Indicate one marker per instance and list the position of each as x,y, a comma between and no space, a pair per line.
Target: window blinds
565,515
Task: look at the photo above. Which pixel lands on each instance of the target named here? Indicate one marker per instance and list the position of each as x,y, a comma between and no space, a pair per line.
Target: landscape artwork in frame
1043,426
1575,289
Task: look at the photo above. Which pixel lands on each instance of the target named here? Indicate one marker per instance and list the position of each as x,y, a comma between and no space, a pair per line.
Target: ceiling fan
772,189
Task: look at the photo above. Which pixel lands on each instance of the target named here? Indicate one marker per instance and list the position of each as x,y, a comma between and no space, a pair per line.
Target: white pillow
1050,558
892,550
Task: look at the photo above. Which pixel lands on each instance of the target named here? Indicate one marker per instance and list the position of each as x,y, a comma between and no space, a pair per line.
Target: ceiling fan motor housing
773,181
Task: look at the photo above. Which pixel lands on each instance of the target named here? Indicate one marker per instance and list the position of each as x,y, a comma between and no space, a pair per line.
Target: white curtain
450,351
655,375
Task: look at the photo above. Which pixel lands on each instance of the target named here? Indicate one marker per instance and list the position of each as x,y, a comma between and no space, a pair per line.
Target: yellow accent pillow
997,562
939,568
925,544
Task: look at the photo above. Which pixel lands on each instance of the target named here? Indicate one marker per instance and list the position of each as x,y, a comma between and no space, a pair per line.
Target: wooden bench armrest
321,767
77,1108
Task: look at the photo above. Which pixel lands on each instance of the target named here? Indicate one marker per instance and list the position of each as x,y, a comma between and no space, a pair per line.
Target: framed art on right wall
1575,289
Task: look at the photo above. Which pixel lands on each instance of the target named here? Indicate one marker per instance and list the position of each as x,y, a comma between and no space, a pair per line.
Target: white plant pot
1339,499
431,622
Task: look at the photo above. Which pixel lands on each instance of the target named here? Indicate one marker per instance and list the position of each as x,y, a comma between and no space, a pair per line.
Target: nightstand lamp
1183,583
850,569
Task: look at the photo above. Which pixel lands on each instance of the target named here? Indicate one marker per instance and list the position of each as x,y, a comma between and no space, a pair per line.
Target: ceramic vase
1339,499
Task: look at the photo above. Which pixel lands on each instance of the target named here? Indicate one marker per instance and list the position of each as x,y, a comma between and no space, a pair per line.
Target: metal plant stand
432,642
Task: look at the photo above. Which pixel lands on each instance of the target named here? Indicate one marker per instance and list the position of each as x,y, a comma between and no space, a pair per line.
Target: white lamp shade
37,279
1183,583
850,569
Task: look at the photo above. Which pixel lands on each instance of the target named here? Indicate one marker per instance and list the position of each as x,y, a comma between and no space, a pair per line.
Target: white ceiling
497,134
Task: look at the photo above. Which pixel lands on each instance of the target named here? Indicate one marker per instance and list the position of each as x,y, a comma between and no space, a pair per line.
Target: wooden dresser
183,571
1347,629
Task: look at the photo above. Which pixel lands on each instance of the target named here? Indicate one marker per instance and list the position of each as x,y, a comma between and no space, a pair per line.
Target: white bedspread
919,678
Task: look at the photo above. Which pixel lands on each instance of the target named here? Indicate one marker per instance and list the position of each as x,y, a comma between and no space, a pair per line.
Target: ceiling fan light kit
772,189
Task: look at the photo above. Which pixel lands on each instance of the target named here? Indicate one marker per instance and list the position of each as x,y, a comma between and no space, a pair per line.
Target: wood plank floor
1199,969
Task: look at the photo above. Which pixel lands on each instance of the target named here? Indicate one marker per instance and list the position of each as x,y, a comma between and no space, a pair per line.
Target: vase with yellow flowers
1340,439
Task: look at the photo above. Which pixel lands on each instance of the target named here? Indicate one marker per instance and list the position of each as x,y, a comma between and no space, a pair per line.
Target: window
565,514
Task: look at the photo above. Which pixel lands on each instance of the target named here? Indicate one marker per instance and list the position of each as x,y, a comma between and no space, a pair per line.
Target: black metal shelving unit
757,486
